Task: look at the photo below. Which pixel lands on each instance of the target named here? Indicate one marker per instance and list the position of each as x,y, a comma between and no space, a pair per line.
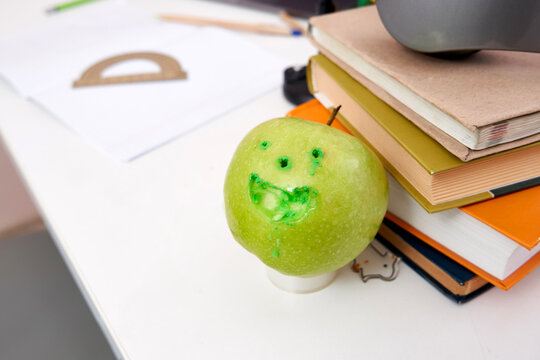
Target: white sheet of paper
127,120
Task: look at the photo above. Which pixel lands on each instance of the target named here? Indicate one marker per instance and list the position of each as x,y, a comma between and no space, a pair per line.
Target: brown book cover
490,91
452,276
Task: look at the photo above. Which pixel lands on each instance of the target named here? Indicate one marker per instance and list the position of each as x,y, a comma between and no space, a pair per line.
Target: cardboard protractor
170,70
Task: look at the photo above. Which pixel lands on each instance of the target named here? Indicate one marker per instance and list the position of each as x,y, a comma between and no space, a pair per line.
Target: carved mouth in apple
282,205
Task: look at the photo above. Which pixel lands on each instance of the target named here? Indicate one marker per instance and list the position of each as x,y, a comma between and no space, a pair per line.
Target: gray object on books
461,26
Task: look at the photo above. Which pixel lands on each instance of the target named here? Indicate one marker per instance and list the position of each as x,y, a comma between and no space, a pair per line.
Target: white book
461,233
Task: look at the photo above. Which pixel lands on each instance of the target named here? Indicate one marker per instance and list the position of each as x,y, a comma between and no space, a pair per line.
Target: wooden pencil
292,21
259,28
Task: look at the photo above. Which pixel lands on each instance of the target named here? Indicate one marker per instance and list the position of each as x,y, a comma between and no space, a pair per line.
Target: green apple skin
304,197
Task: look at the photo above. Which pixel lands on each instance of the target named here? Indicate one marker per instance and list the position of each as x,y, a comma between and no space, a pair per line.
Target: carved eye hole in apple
284,163
265,145
316,153
316,158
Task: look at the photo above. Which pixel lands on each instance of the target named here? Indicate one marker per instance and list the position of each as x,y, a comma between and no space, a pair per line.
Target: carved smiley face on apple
304,197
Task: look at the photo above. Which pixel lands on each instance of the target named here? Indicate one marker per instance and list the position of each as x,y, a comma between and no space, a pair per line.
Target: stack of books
459,138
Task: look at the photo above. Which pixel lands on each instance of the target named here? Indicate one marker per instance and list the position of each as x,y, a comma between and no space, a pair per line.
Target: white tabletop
149,246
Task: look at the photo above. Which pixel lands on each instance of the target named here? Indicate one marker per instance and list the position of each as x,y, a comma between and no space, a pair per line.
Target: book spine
520,185
460,299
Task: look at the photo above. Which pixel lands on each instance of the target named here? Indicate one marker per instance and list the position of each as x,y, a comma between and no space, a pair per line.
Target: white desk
150,247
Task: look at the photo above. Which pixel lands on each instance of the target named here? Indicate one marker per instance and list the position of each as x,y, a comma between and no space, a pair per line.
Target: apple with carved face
304,197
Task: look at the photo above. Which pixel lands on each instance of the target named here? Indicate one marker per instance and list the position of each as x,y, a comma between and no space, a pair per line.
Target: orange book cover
515,215
313,110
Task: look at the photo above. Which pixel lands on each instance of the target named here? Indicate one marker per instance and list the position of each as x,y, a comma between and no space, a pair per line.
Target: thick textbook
449,277
472,243
486,101
435,177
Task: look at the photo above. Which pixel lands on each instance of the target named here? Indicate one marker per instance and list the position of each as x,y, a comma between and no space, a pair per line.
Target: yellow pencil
260,28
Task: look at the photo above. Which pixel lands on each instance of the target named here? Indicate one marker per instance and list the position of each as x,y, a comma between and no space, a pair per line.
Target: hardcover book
475,106
435,178
450,278
474,244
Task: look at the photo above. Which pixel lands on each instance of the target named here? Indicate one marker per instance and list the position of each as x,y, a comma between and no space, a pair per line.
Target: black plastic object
295,86
325,7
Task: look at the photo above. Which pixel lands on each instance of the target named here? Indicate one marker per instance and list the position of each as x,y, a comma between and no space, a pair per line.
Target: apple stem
333,116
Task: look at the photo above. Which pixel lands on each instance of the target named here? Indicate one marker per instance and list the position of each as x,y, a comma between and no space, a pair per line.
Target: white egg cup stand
298,284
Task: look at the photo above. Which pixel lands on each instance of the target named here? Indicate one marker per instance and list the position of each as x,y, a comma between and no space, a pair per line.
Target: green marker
68,5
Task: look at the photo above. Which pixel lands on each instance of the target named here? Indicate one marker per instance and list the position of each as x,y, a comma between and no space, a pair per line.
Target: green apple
304,197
